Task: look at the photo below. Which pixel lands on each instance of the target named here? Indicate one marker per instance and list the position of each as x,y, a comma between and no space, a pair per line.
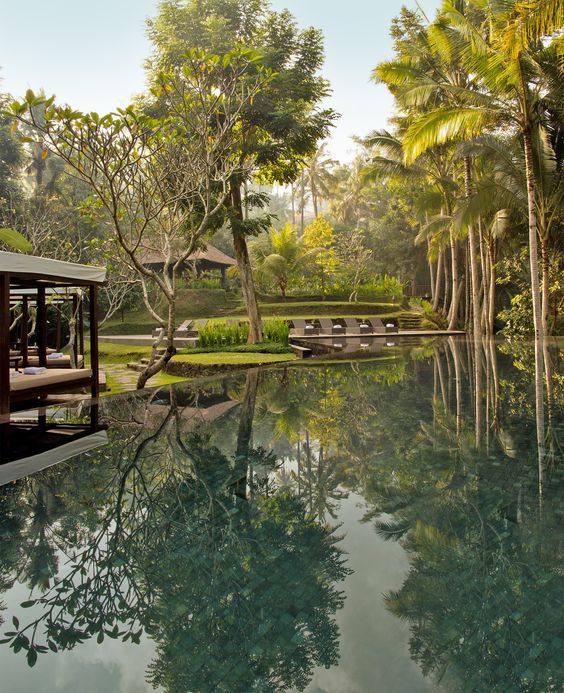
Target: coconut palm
504,53
277,256
319,176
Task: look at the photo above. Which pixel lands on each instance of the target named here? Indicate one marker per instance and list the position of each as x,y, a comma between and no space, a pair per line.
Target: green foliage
15,241
261,348
218,333
276,330
278,257
319,241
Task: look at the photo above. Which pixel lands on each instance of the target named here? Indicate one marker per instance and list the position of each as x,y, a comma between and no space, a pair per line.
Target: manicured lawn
231,358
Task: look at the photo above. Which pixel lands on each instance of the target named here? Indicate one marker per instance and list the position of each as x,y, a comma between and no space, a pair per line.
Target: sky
90,54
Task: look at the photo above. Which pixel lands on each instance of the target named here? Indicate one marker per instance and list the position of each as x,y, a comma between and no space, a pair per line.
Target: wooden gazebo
32,278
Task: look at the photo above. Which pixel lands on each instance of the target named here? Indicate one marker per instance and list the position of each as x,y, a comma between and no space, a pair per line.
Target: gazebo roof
32,269
210,254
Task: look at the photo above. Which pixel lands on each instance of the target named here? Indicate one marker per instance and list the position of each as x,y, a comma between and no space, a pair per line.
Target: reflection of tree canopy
484,592
226,560
238,592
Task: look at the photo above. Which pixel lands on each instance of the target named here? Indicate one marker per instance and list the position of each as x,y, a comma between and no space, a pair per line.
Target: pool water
393,524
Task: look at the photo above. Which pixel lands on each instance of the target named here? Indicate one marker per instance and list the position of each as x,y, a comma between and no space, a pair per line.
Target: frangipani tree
160,184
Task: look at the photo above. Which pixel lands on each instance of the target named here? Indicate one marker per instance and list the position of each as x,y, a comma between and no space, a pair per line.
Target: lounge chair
377,325
200,324
184,329
302,328
352,326
327,327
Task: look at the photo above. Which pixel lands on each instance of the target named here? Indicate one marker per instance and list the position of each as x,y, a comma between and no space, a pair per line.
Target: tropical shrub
219,333
276,330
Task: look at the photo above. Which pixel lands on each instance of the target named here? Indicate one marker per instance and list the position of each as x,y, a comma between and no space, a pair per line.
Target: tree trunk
446,297
533,234
476,326
293,193
455,300
245,270
438,282
156,362
545,267
302,203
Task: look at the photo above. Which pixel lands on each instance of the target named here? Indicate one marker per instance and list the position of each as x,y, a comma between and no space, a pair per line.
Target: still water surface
385,525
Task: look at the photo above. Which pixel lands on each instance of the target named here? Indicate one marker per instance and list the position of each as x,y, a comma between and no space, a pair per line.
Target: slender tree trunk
431,273
492,276
485,280
446,298
245,270
314,201
533,235
545,266
293,193
438,282
302,204
455,300
476,326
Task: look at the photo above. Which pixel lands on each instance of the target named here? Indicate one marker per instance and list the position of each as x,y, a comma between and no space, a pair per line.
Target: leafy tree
159,183
279,256
281,127
319,241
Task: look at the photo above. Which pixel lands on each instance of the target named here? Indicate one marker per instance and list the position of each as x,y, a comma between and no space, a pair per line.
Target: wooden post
81,324
41,327
74,345
59,337
25,326
4,343
94,339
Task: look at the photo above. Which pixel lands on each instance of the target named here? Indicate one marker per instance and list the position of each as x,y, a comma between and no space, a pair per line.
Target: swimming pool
391,524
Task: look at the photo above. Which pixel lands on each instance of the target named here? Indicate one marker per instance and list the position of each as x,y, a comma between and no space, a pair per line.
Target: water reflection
210,523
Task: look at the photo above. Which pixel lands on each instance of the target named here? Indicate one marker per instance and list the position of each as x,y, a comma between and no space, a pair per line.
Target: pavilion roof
210,254
48,271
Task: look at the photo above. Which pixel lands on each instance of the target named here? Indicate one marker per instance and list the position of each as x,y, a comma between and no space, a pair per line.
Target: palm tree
502,53
319,176
277,256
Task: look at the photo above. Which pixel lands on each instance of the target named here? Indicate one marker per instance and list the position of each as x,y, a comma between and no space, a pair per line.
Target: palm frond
441,126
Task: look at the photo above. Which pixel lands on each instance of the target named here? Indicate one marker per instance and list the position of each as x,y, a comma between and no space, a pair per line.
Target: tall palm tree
319,176
502,53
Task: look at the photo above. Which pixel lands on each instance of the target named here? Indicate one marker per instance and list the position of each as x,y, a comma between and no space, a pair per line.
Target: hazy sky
90,54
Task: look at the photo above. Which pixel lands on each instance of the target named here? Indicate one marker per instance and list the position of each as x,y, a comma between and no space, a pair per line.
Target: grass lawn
231,358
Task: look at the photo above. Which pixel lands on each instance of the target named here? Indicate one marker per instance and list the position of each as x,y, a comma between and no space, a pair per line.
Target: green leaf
15,240
31,657
26,605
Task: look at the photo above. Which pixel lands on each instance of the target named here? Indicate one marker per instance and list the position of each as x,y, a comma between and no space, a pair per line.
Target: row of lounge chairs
325,326
347,326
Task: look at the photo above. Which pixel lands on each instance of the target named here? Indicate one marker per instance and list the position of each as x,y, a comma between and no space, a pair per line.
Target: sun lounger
327,327
303,328
377,325
352,326
50,381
